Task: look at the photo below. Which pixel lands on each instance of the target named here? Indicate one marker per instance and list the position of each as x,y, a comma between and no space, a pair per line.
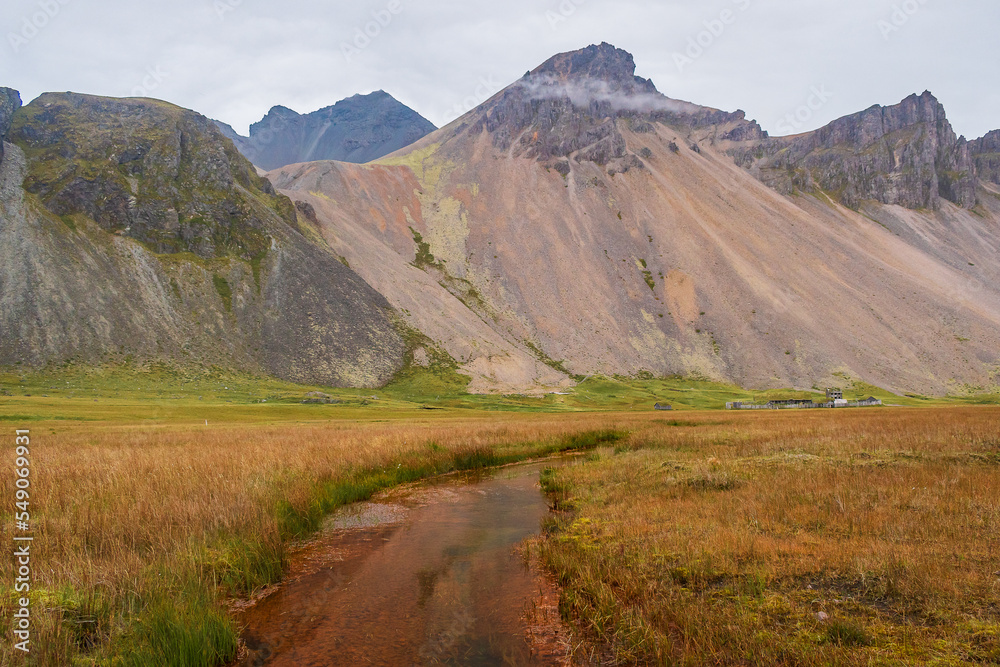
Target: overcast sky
793,65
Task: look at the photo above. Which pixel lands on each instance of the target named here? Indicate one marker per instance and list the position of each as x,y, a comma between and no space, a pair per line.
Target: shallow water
428,575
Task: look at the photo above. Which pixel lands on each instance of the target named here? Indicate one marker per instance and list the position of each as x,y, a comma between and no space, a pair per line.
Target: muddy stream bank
431,573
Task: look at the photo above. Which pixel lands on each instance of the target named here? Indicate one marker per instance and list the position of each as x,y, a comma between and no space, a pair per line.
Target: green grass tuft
224,290
846,633
476,458
186,630
424,257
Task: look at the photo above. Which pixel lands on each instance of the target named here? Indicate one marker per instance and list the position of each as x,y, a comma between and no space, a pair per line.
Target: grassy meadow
160,495
855,537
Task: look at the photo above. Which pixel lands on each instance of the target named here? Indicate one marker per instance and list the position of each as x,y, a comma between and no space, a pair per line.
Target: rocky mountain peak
988,143
878,121
575,104
985,153
905,154
360,128
602,62
374,95
917,108
277,111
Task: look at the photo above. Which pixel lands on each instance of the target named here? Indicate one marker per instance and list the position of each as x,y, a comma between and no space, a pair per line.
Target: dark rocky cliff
134,228
986,154
905,154
358,129
10,101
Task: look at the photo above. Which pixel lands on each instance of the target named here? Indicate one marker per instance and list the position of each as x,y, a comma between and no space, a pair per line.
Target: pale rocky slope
580,217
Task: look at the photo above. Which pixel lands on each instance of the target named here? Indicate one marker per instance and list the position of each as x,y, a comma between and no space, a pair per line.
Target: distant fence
739,405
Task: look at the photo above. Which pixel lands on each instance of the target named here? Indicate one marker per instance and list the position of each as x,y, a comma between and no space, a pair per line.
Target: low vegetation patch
224,291
424,257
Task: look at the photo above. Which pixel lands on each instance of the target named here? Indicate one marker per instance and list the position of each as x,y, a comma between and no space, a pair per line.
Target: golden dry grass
132,517
143,528
724,543
115,497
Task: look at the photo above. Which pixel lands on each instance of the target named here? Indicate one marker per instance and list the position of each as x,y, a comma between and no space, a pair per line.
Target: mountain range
359,129
579,222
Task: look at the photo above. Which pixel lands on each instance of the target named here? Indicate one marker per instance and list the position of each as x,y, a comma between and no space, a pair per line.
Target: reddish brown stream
432,574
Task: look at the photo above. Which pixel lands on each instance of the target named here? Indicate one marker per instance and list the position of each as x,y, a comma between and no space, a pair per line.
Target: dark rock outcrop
358,129
986,154
10,101
140,231
905,154
575,104
598,62
147,170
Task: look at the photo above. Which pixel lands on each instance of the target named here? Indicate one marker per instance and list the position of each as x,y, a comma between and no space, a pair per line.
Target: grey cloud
584,93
